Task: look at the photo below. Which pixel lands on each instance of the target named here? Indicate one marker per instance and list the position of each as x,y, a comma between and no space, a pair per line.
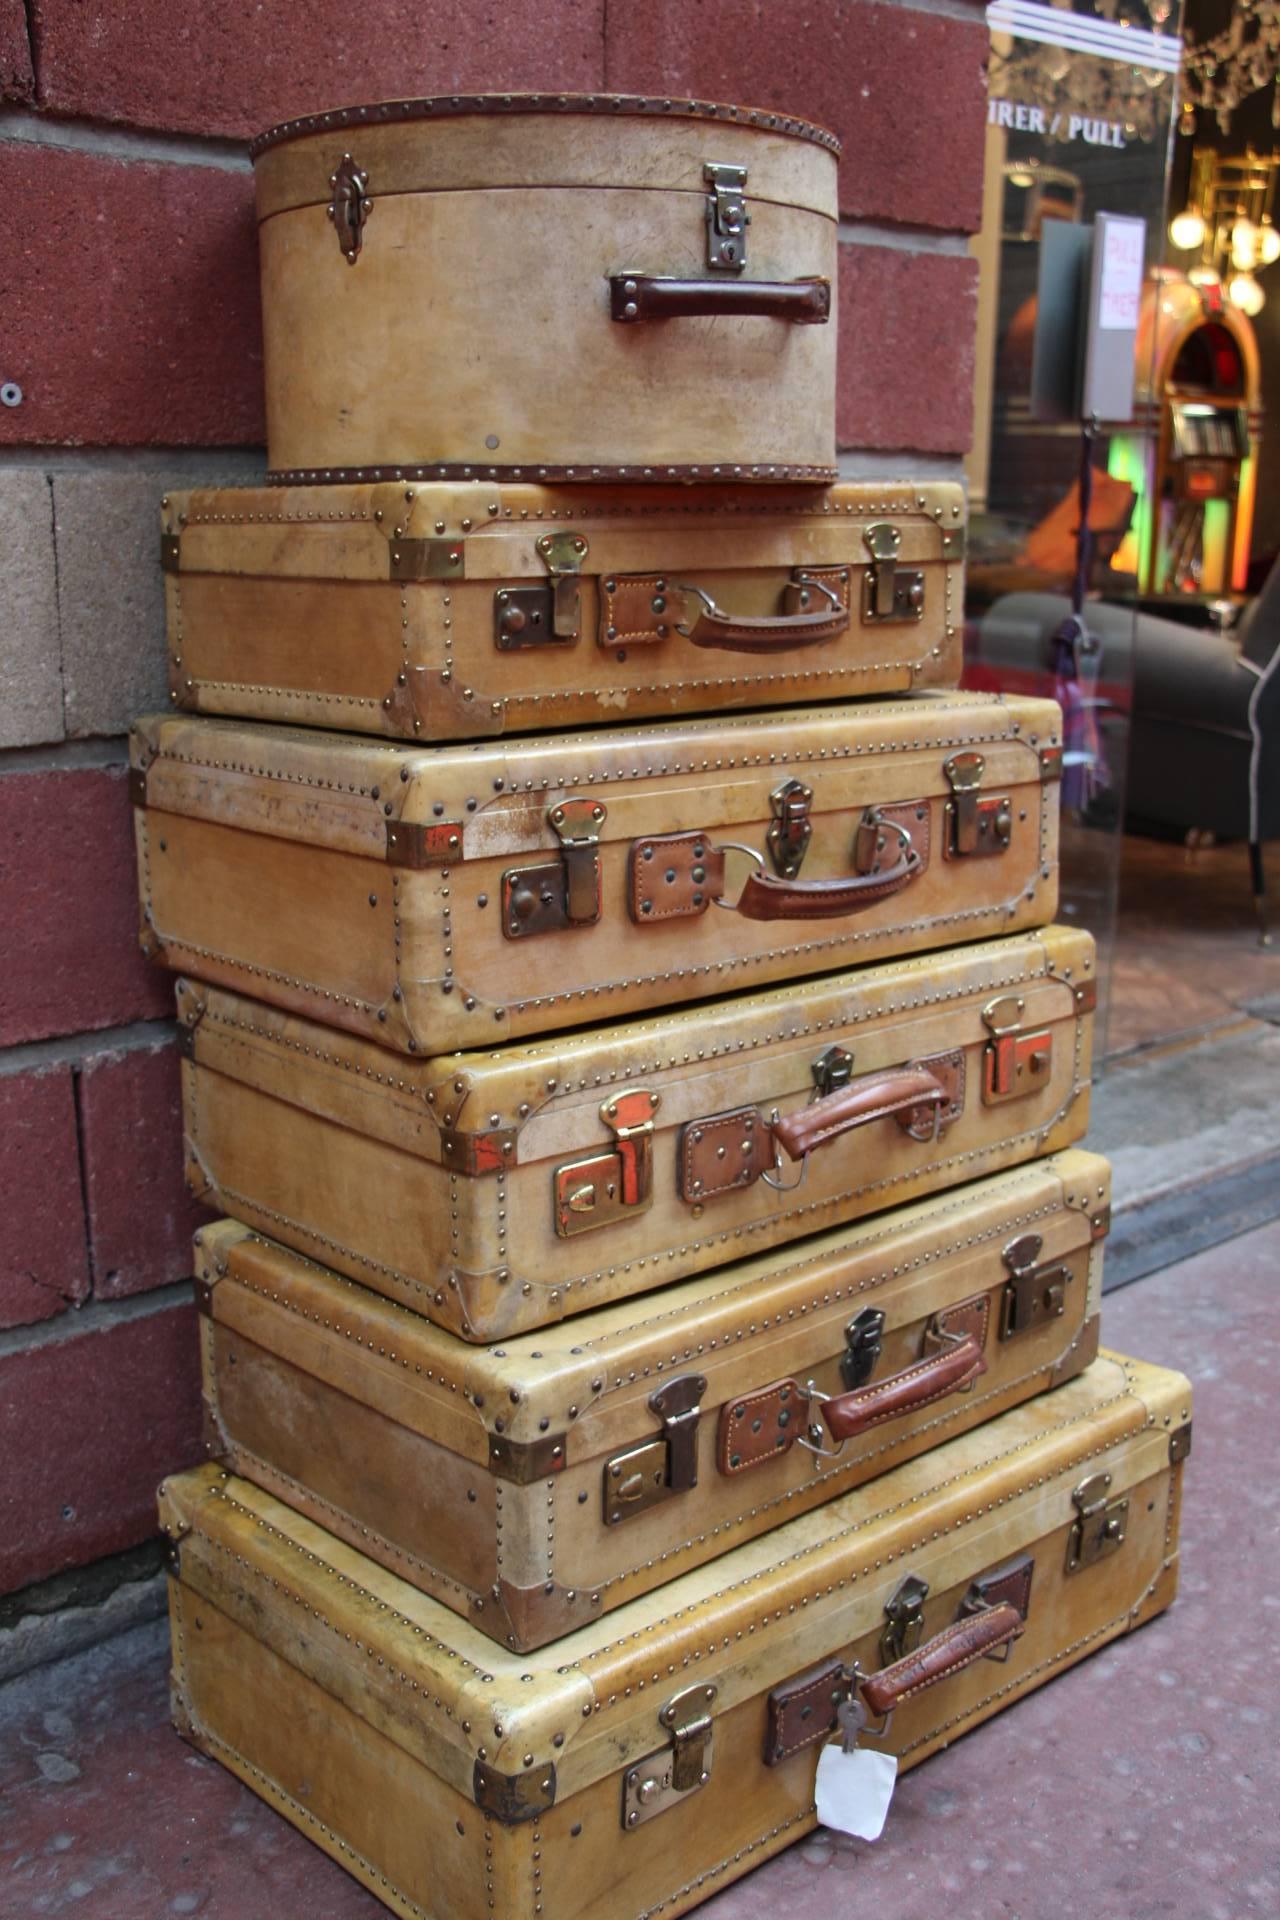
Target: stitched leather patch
673,876
724,1153
637,608
759,1426
804,1710
1011,1581
876,852
970,1316
949,1068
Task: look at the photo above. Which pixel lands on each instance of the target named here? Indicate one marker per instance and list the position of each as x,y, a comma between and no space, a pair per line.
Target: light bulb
1245,293
1268,245
1021,178
1203,277
1244,245
1186,230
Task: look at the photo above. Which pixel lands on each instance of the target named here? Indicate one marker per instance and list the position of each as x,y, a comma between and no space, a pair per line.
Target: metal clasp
662,1778
612,1183
1035,1293
1100,1528
790,832
558,893
889,593
350,207
976,824
640,1477
1015,1063
904,1620
727,217
564,554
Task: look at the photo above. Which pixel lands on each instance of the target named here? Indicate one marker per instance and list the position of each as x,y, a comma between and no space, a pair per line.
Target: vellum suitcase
499,1191
548,287
651,1757
534,1486
433,898
454,612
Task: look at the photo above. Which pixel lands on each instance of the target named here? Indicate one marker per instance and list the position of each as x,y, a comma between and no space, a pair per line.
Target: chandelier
1227,222
1218,74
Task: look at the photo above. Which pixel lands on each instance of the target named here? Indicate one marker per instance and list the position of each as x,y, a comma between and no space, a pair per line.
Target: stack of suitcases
654,1336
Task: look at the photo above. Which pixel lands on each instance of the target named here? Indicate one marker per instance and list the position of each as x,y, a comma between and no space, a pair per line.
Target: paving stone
31,712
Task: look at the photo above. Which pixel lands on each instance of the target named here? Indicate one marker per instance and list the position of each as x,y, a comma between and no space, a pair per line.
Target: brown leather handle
765,898
876,1096
654,296
957,1646
766,633
944,1372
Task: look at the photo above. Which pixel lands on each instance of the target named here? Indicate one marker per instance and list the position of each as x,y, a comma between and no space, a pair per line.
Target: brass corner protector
1180,1444
1050,764
1100,1223
137,786
170,552
953,543
524,1461
413,845
478,1153
421,559
514,1798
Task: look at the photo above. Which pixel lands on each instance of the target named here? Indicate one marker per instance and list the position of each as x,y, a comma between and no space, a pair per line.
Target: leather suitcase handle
957,1646
654,296
876,1096
765,633
947,1371
764,897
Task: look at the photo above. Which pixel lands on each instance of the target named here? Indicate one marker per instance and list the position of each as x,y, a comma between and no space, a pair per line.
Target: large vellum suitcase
433,898
455,612
500,1191
534,1486
643,1762
548,287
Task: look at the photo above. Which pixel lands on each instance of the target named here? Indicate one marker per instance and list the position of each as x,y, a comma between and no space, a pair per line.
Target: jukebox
1199,399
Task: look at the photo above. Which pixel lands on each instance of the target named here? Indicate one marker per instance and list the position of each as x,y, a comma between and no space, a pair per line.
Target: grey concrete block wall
30,656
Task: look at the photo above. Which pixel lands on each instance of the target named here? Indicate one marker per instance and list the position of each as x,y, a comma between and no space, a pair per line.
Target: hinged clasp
889,592
350,206
564,554
789,833
558,893
1015,1063
904,1620
863,1337
655,1783
1100,1528
640,1477
1034,1293
727,217
832,1070
977,824
611,1183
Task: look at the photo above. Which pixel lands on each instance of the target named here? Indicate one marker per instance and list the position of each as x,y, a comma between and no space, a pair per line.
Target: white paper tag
854,1790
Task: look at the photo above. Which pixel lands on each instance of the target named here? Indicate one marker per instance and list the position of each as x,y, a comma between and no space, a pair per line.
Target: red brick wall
132,330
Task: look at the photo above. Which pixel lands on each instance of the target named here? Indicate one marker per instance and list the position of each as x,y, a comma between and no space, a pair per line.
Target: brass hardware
137,786
350,207
977,825
422,559
611,1183
727,217
524,1461
641,1477
1050,764
1100,1223
904,1620
1034,1293
564,554
953,543
558,893
658,1781
525,617
411,844
889,593
514,1798
1100,1528
170,552
832,1069
1015,1063
790,832
1179,1444
862,1337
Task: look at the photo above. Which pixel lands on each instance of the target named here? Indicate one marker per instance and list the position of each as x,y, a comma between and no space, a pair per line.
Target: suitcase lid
488,530
545,1400
417,808
452,143
480,1112
518,1731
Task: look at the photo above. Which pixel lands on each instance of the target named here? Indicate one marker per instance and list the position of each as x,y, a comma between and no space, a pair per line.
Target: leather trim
765,897
916,1386
803,1710
712,1160
877,1096
662,875
957,1646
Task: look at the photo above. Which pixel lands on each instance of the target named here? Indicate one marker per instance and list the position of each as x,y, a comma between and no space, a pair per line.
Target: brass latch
862,1337
350,206
640,1477
1100,1527
727,217
904,1620
1034,1293
558,893
889,592
832,1070
563,555
662,1778
1015,1063
977,824
612,1183
790,830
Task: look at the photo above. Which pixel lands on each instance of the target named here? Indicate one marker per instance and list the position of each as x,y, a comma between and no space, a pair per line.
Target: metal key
852,1716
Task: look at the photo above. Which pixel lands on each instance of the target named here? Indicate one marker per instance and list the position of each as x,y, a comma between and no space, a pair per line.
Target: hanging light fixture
1244,245
1227,222
1186,230
1268,245
1244,292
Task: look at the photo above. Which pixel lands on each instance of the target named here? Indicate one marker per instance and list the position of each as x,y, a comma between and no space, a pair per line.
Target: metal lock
658,1781
558,893
1034,1293
863,1337
612,1183
978,825
904,1620
727,217
1015,1063
832,1070
1100,1528
548,614
889,592
350,206
641,1477
790,830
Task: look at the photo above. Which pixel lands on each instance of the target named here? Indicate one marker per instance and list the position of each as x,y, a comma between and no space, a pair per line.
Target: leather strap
957,1646
847,1414
649,296
714,627
764,897
876,1096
